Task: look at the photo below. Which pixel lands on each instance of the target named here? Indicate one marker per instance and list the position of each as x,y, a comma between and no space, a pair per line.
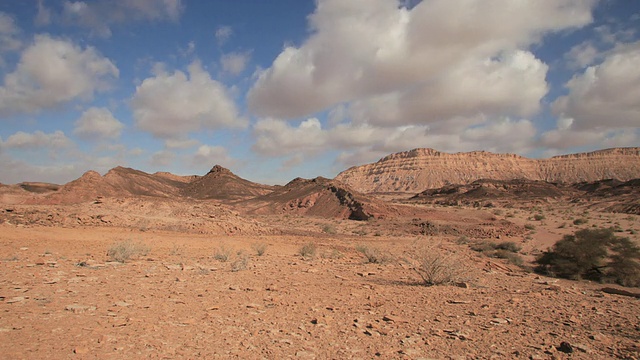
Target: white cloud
43,17
162,158
606,95
52,72
223,33
98,123
37,139
438,49
180,143
581,55
170,106
277,137
365,142
206,156
9,32
99,16
234,63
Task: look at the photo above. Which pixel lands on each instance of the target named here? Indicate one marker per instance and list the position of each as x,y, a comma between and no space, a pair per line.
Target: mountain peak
217,169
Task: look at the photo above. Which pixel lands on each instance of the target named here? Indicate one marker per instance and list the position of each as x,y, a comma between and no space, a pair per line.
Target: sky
280,89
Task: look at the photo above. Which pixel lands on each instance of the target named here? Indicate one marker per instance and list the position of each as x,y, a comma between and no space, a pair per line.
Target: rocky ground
62,296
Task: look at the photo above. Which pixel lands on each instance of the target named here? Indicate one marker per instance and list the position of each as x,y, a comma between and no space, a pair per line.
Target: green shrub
593,254
509,246
580,221
510,256
539,217
529,226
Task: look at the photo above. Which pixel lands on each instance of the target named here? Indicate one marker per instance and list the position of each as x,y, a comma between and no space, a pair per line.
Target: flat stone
79,309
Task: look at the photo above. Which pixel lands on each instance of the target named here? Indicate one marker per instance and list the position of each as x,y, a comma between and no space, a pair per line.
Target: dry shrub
240,263
222,253
438,266
259,248
373,255
308,250
123,251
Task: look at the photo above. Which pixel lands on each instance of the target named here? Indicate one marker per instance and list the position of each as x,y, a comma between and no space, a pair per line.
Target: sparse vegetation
123,251
529,226
222,253
436,266
593,254
259,248
539,217
308,250
580,221
240,263
373,255
329,229
505,250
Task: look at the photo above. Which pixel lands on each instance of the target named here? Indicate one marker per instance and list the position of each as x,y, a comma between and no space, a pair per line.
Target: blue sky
278,89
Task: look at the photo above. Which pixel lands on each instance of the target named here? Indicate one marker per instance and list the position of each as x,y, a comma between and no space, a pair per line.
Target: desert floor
63,298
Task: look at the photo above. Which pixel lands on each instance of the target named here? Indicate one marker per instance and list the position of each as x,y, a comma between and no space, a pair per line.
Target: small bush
510,256
373,255
509,246
580,221
334,254
529,226
222,254
240,263
259,248
593,254
308,250
438,267
125,250
329,229
539,217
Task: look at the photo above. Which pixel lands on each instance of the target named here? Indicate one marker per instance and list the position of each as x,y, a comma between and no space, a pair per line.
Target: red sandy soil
62,298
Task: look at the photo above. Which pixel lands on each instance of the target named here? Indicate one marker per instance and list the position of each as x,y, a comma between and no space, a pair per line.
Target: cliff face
420,169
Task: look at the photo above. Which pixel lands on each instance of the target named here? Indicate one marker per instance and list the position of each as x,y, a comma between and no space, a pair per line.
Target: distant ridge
420,169
219,184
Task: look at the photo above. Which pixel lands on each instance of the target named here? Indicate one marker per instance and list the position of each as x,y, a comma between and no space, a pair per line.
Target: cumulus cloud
37,139
170,106
162,158
43,16
277,137
362,142
207,156
222,34
605,96
99,16
52,72
98,123
234,63
9,32
436,50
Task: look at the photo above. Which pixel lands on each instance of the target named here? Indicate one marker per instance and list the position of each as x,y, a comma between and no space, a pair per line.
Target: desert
137,265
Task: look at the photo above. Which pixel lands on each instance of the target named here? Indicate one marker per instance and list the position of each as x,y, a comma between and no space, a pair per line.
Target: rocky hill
316,197
218,184
222,184
420,169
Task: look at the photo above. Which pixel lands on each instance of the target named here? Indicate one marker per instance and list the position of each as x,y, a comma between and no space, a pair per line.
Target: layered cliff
420,169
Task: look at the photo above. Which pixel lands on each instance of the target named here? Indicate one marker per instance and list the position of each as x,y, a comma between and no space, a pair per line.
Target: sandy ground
62,297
